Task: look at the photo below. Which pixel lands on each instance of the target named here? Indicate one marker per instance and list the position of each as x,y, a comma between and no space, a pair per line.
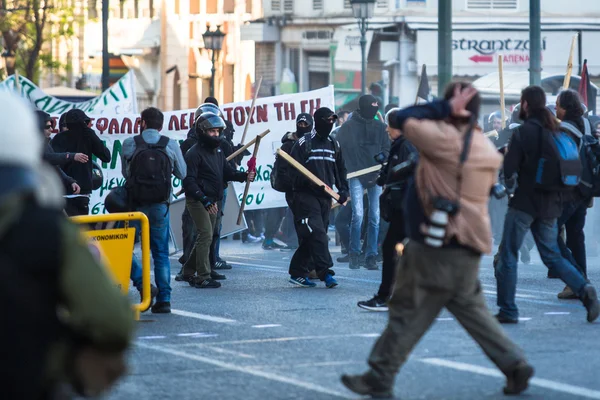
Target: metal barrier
145,228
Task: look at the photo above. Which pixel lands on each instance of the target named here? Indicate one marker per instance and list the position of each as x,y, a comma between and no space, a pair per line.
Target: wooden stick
567,80
247,188
302,169
244,147
251,111
362,172
501,79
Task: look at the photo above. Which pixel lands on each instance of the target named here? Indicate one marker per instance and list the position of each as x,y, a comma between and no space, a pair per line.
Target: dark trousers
77,206
273,219
215,236
573,219
395,235
342,225
311,219
189,235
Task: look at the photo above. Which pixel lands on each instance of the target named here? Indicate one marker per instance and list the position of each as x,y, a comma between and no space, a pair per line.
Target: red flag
584,83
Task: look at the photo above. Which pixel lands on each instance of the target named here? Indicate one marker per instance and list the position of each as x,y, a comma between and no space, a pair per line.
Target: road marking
254,265
266,326
521,290
445,319
543,383
151,337
296,338
520,296
524,319
557,313
203,317
223,351
197,334
247,370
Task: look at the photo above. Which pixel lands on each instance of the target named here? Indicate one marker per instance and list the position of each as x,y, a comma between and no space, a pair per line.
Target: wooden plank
251,109
247,188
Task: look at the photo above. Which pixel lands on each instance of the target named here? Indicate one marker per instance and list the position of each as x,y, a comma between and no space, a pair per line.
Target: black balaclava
365,107
322,126
304,117
229,131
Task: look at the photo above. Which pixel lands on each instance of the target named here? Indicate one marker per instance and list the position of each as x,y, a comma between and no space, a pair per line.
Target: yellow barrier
119,275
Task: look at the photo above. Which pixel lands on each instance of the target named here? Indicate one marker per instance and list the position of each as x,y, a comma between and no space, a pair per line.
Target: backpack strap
163,142
139,141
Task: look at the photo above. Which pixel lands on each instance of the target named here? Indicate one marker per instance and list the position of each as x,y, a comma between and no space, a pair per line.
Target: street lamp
10,59
363,11
213,41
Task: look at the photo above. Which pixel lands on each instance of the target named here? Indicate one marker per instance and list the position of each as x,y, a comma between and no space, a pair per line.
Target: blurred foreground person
67,326
449,230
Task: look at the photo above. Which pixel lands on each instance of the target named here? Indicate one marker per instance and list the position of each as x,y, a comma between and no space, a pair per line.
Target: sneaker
205,284
590,301
179,276
375,304
330,282
518,379
371,263
359,385
217,276
505,320
222,264
354,261
301,281
272,245
153,293
251,239
344,259
162,307
567,294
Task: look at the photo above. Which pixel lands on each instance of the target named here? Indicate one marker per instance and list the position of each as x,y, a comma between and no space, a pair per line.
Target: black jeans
189,235
395,235
215,238
573,219
311,219
273,219
77,206
342,225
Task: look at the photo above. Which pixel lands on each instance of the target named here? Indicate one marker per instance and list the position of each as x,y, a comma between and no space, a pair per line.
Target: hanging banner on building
276,113
119,99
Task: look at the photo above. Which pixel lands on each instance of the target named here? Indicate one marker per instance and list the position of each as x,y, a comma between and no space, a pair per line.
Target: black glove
206,202
343,197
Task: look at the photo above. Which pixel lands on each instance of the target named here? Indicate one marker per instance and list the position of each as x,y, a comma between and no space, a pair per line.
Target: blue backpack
559,166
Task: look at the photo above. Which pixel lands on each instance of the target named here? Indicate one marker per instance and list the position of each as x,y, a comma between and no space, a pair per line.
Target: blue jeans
573,218
158,215
356,196
545,233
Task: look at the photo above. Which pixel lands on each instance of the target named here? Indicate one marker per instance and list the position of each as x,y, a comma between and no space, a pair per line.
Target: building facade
305,44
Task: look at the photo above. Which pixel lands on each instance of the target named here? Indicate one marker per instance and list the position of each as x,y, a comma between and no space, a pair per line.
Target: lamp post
10,60
363,11
213,41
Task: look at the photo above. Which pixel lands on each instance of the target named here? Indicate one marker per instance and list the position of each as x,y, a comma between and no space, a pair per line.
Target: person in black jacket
531,208
80,138
401,151
311,204
207,174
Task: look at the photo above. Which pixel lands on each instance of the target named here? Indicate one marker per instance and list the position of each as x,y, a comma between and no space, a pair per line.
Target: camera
443,209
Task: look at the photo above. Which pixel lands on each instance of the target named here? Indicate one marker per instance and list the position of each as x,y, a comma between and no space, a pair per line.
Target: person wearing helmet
495,120
79,138
45,258
207,174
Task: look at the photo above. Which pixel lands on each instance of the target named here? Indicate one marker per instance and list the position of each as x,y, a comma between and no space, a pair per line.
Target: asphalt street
259,337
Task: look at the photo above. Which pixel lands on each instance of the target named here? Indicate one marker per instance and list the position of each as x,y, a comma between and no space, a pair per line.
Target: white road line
543,383
203,317
223,351
557,313
247,370
524,319
445,319
254,265
197,334
521,296
266,326
151,337
521,290
296,338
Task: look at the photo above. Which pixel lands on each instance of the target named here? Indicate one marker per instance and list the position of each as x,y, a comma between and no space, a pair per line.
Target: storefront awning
348,56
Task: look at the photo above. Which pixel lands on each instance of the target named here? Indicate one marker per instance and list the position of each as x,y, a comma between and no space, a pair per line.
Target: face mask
302,130
209,141
323,128
369,112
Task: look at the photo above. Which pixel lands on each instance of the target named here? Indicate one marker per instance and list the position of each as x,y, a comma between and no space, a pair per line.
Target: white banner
275,113
119,99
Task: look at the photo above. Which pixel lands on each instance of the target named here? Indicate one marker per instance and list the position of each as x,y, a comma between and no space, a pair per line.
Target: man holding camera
449,230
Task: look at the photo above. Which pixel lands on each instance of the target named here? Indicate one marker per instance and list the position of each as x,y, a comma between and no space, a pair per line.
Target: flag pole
501,81
567,80
419,85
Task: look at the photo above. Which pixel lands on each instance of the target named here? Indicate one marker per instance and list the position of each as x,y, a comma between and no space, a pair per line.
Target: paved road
260,338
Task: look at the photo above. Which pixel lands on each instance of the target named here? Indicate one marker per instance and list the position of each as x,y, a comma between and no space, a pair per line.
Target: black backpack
150,170
279,181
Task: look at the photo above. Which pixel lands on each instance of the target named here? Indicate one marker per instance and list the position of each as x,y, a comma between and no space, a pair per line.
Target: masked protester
79,138
361,138
207,174
311,204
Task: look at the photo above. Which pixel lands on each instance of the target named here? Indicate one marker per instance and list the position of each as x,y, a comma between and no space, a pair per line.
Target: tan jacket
440,145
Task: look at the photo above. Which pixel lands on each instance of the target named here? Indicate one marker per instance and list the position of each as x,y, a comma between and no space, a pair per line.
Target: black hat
75,116
304,117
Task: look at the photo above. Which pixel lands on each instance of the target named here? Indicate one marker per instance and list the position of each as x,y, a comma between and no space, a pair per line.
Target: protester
402,151
45,259
440,267
311,204
361,139
148,160
535,209
207,172
79,138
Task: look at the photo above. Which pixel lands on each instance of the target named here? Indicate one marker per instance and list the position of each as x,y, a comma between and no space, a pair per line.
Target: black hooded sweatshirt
81,140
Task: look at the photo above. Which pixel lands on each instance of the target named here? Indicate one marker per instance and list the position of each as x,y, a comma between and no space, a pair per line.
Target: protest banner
276,113
119,99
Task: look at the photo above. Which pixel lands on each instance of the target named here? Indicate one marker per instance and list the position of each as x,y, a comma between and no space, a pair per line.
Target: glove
206,202
343,197
252,164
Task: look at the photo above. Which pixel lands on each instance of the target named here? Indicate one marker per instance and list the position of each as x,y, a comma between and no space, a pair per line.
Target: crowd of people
425,177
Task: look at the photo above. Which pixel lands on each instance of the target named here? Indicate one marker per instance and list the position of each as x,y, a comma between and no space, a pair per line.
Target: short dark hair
211,100
535,97
473,106
342,113
153,118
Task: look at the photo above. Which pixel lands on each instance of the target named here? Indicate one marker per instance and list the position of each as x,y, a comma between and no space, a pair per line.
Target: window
492,4
288,6
275,5
382,4
212,7
317,4
229,6
249,6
